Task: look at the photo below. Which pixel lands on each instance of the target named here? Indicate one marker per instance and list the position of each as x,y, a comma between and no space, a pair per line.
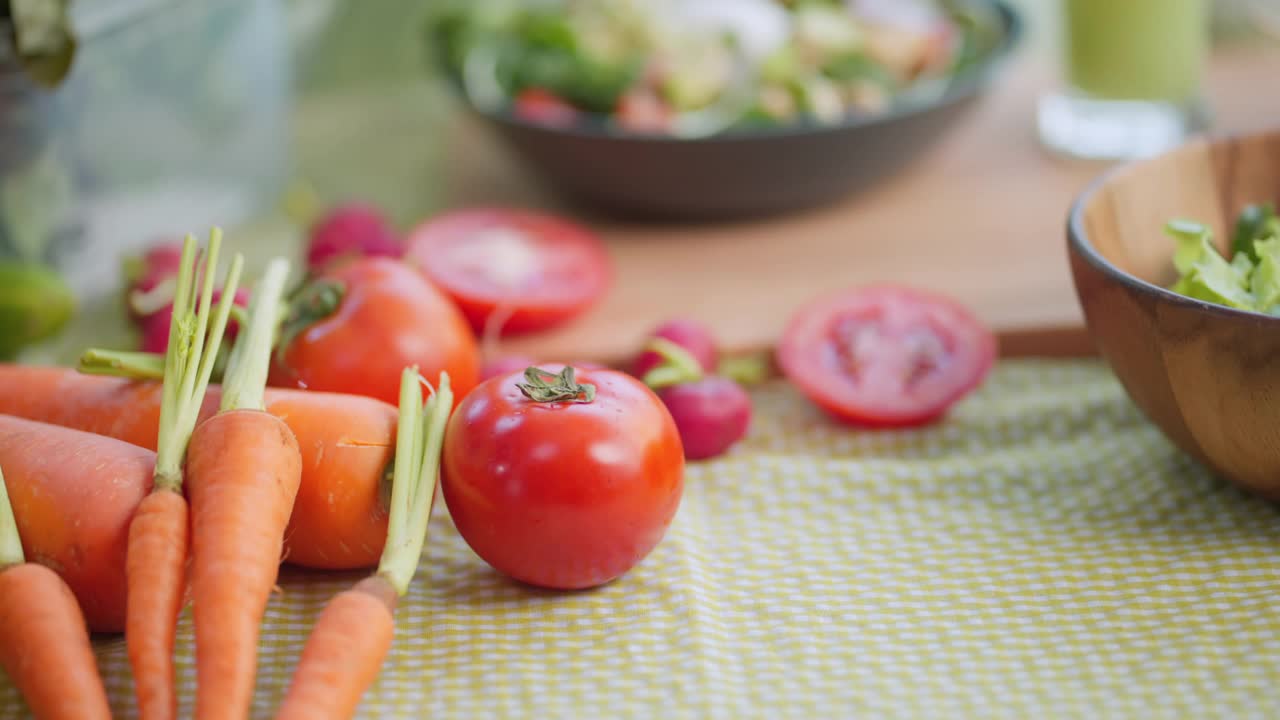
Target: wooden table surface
980,216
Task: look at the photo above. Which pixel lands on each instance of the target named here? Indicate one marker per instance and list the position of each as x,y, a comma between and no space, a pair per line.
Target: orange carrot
73,494
344,652
243,471
339,520
158,534
346,648
44,645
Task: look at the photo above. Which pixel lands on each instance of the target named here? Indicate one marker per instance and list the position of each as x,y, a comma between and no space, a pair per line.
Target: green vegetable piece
1265,281
826,29
689,89
40,30
1217,283
1193,238
1254,223
856,66
746,369
1206,275
548,30
780,66
1242,264
822,99
35,304
586,83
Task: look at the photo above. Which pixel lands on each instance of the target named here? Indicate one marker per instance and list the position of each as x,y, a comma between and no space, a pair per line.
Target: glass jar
174,118
1133,73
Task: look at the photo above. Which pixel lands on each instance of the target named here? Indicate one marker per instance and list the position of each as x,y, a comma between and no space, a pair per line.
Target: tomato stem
678,365
312,303
548,387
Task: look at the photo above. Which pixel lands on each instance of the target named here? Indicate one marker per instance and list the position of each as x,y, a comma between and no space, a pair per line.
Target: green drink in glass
1133,70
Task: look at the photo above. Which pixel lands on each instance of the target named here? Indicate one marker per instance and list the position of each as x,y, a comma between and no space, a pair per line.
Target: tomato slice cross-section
885,356
532,270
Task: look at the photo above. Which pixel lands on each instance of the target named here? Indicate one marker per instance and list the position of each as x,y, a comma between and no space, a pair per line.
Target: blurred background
180,114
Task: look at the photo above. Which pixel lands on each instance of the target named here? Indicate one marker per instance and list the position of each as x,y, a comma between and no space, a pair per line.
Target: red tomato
886,356
387,318
642,111
536,270
563,494
543,107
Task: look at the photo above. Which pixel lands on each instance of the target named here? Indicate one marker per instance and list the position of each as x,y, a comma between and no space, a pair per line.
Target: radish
690,335
712,414
350,231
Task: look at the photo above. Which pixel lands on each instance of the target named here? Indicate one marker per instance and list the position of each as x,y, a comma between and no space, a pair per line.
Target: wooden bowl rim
1078,238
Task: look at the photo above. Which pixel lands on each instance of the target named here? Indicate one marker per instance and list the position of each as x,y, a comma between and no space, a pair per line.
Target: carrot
350,640
158,534
339,520
73,494
243,471
44,645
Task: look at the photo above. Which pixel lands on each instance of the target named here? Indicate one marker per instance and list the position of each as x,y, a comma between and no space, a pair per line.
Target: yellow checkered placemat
1043,553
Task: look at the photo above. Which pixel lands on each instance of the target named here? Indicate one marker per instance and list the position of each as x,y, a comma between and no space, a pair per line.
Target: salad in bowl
696,68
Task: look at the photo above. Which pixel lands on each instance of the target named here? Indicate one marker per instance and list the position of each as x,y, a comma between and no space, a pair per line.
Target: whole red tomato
559,488
355,328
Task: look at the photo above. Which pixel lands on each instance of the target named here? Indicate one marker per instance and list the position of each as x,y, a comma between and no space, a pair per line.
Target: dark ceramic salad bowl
753,170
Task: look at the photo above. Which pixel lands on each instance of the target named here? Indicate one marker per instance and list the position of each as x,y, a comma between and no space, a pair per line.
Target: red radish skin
693,336
155,327
146,271
712,414
351,231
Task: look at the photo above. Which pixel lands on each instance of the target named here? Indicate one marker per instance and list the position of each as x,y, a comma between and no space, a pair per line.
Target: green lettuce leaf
1265,281
1254,223
1206,274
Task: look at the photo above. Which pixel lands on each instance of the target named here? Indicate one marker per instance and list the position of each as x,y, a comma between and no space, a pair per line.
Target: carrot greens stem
678,366
194,341
122,363
10,543
417,468
246,376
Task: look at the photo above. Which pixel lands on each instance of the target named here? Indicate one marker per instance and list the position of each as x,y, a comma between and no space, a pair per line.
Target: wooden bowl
1208,376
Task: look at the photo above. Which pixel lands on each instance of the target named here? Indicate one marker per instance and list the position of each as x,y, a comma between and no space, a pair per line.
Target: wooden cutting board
979,217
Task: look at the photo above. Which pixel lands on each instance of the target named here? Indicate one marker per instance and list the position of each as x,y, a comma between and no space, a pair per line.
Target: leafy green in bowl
1249,279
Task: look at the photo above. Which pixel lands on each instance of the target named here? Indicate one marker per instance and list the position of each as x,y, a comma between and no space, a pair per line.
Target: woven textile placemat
1044,553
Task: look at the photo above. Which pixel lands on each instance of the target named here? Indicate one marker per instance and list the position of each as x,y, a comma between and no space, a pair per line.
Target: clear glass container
1132,80
174,118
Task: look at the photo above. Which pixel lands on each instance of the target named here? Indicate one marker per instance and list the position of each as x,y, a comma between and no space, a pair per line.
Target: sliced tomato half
543,107
531,270
886,356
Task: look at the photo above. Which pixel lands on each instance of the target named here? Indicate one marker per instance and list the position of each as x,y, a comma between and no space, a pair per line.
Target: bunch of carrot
347,443
345,650
226,480
44,645
241,472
